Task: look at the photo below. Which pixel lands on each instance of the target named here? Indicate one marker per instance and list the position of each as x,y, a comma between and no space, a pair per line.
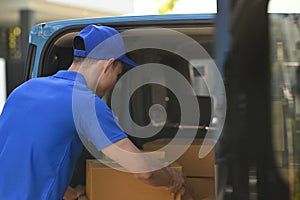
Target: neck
90,73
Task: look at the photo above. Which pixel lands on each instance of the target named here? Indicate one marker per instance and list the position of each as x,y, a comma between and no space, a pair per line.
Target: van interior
59,56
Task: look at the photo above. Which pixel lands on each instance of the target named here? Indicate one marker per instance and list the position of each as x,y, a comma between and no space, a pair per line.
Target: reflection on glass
285,69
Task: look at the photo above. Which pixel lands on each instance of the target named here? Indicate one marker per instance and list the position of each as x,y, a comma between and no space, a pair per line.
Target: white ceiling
50,10
284,6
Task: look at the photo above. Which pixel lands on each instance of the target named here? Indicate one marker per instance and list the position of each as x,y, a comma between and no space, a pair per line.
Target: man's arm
129,156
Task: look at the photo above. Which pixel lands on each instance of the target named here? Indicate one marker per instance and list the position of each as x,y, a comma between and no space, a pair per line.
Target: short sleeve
95,121
108,122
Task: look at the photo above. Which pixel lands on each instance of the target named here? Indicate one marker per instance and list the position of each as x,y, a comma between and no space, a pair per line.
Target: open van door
51,50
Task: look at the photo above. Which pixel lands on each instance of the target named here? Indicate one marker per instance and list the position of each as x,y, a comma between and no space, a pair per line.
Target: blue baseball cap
101,43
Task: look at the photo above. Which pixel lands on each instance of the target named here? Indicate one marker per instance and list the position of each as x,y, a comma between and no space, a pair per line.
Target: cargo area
99,178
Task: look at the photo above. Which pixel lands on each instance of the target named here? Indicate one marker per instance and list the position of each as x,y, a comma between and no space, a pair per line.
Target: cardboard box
192,165
199,188
105,183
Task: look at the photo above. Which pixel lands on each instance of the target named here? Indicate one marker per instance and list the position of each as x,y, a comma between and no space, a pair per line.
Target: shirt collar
71,75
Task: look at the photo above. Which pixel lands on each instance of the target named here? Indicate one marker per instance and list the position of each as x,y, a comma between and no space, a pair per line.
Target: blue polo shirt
40,127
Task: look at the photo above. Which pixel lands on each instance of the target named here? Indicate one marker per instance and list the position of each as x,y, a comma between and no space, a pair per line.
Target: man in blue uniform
44,118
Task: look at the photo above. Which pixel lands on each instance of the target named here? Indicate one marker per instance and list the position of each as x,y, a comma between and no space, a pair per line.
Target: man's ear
109,64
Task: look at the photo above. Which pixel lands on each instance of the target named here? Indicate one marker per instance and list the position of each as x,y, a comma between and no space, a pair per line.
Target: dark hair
115,63
90,61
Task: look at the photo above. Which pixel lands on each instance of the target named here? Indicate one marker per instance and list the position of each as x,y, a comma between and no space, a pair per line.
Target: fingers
182,190
70,194
74,193
80,190
177,182
174,195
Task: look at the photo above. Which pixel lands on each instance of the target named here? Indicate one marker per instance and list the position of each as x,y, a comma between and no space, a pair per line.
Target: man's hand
74,193
176,182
